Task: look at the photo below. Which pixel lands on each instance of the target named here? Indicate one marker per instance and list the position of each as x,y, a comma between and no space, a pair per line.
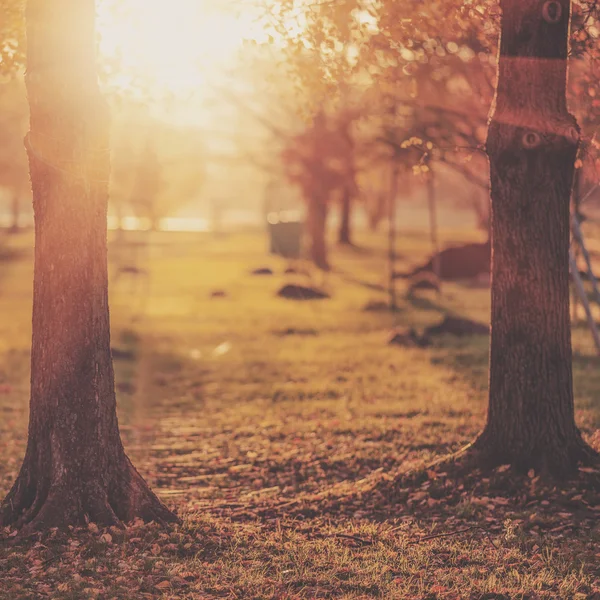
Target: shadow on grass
349,278
427,304
10,252
365,250
468,357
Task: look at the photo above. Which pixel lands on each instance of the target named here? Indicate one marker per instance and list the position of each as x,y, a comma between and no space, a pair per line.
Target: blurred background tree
424,79
157,168
12,36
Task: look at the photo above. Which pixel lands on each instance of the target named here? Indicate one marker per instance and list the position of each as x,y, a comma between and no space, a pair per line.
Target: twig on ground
319,534
447,457
452,533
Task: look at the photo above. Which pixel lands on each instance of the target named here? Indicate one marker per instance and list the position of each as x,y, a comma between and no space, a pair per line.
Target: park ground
294,441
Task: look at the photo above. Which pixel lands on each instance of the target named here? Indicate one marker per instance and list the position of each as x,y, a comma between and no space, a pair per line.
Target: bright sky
174,43
176,46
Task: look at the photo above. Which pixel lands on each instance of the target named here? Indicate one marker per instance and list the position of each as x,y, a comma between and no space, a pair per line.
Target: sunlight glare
174,47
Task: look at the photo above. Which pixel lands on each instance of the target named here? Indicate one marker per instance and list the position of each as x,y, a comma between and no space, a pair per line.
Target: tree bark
75,468
344,236
532,145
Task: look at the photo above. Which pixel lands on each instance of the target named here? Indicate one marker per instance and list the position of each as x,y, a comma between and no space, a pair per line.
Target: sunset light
299,299
175,47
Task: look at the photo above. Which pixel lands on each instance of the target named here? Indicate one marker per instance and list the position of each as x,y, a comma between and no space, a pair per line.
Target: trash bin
285,234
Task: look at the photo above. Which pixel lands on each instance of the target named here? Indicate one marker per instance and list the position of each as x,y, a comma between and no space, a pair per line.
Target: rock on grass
295,331
301,292
376,306
262,271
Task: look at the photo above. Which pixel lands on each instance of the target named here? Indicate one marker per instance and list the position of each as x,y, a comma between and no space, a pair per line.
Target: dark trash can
285,235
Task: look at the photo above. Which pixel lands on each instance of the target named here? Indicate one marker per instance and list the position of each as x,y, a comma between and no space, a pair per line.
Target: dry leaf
93,528
161,585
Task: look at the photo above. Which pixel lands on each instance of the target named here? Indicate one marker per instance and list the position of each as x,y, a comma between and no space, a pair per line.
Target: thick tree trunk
532,143
317,230
344,236
75,467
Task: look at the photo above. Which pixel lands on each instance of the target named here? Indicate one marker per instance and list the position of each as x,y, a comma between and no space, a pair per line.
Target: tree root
555,465
45,504
133,498
552,461
482,471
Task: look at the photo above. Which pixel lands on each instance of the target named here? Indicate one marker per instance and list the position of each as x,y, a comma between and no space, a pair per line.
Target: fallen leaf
161,585
438,589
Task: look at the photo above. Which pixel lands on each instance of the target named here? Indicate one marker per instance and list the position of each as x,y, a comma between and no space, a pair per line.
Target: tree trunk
378,212
392,233
345,215
532,144
433,228
154,222
75,467
346,147
317,229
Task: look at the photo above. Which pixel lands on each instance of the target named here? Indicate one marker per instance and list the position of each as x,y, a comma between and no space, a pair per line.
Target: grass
292,438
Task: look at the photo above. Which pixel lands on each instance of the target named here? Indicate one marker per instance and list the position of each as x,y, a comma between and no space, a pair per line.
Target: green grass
291,438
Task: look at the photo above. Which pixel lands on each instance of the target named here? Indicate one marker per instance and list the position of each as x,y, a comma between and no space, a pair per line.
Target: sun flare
174,47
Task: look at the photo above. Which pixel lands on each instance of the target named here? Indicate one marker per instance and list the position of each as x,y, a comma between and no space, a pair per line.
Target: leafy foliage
12,36
426,73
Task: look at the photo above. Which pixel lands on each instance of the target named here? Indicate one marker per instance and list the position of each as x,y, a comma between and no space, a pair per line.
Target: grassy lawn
293,439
